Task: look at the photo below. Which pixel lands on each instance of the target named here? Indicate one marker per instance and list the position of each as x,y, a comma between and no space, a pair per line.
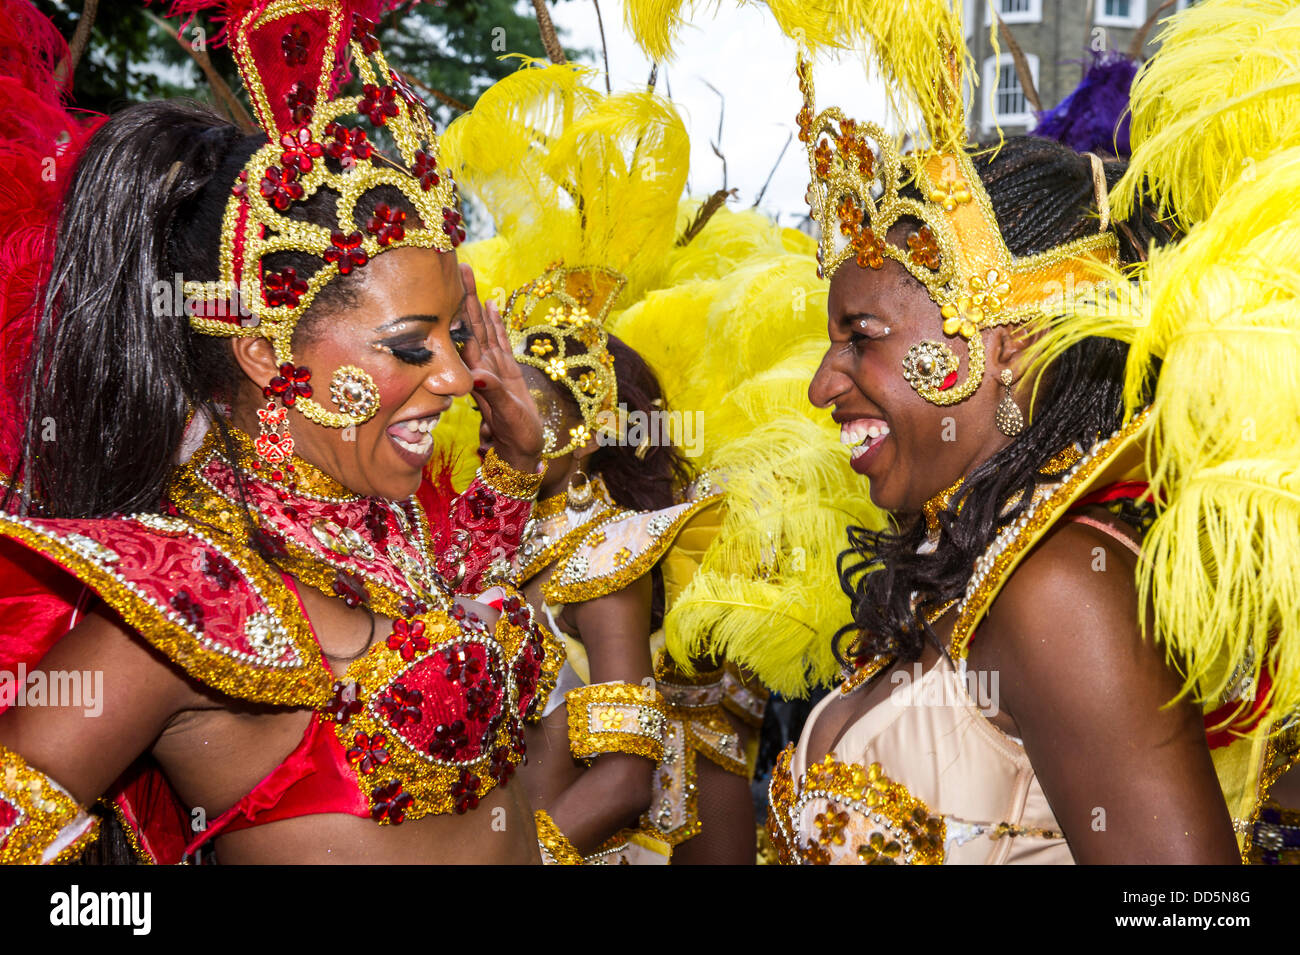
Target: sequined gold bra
429,720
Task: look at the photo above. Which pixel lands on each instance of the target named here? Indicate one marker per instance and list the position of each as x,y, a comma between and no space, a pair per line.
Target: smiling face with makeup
404,323
909,449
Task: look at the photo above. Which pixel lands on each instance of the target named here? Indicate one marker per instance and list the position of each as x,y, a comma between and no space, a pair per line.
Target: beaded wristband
556,849
616,718
39,821
506,480
746,702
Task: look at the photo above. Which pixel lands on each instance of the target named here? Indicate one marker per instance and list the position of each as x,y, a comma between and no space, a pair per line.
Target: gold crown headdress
861,179
290,55
556,324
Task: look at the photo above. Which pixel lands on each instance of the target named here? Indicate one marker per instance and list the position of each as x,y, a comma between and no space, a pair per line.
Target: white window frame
1182,5
1033,15
991,116
1137,15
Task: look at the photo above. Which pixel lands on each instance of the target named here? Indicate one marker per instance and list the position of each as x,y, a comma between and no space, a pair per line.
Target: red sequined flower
378,102
408,638
346,251
461,666
299,150
386,224
345,702
301,101
220,568
449,739
465,791
401,706
426,170
390,802
451,225
351,588
240,188
377,525
363,31
368,752
294,45
291,384
482,503
481,700
191,612
347,145
280,186
502,767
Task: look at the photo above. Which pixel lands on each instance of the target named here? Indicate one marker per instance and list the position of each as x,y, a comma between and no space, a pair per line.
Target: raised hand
499,387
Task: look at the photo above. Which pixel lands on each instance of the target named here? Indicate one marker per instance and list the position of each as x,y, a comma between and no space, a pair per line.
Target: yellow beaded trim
939,503
909,832
559,590
616,718
45,812
552,663
306,683
864,673
556,848
1005,553
508,481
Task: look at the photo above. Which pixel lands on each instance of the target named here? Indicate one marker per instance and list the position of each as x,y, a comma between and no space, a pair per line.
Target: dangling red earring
274,444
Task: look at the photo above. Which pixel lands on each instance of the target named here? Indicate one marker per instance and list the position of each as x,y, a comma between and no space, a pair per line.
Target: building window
1010,107
1121,13
1014,11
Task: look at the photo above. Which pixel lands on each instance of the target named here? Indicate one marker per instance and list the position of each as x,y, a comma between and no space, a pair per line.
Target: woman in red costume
242,347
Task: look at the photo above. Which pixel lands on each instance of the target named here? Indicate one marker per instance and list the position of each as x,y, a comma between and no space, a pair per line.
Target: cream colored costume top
970,795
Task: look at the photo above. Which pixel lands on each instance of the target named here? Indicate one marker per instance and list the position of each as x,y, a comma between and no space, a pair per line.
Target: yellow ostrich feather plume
1219,97
572,174
917,47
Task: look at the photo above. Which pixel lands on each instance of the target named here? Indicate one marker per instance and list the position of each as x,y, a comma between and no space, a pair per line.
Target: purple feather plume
1094,117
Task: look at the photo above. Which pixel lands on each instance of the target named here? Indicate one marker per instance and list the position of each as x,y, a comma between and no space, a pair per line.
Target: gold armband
506,480
556,849
749,703
39,821
616,718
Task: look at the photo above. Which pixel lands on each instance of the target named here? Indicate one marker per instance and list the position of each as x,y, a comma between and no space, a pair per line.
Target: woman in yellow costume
620,530
1078,642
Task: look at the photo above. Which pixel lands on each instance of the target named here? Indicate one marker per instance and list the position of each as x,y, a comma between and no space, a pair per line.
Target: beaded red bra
428,721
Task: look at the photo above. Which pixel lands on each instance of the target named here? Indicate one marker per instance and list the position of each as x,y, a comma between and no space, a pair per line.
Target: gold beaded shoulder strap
208,603
1116,458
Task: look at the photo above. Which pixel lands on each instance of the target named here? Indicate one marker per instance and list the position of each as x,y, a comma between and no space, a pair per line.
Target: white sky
741,52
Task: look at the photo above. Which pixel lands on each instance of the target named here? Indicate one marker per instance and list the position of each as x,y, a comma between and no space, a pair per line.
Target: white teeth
426,425
422,448
857,433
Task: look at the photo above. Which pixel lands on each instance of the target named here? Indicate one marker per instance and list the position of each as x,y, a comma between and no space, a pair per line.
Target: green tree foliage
449,46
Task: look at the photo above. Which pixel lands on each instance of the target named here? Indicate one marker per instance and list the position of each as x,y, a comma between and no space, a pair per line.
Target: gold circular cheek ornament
928,366
354,393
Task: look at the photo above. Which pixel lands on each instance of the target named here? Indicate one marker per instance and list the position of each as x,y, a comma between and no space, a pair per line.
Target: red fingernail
480,383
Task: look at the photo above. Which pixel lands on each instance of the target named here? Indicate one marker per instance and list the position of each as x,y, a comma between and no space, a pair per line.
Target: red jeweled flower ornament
431,718
316,75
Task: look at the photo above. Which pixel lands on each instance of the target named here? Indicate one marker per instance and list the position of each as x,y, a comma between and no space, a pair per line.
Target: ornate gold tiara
290,55
556,324
955,249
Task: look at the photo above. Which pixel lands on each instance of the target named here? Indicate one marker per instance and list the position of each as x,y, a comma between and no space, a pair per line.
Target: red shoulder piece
476,534
213,607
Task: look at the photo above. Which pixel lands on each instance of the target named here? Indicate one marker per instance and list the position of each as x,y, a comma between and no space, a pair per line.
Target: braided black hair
1043,196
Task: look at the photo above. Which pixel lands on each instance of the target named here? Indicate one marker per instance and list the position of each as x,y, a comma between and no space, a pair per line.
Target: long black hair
1043,196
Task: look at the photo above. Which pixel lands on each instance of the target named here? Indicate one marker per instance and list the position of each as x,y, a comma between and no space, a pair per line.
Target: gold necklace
939,503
